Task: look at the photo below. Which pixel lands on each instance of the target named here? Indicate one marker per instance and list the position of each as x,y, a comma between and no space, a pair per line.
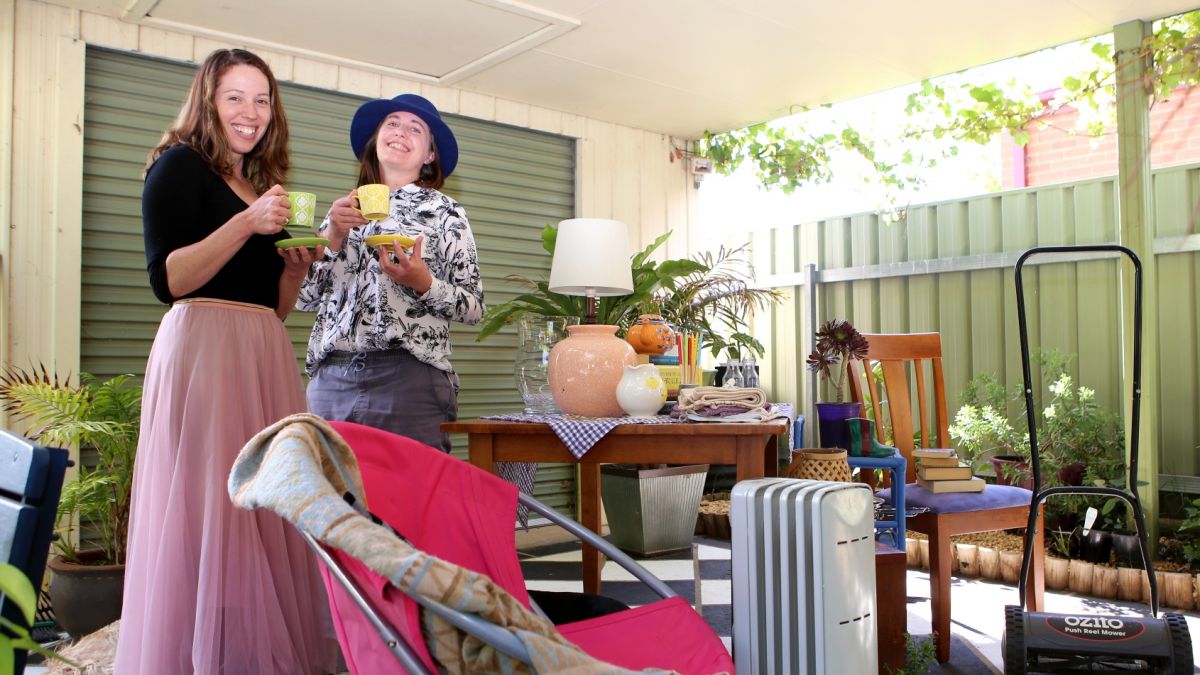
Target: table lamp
591,258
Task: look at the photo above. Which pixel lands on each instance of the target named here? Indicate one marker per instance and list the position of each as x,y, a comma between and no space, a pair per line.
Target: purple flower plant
837,341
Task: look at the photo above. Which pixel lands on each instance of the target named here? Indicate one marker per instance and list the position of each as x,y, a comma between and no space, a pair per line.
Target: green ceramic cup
303,205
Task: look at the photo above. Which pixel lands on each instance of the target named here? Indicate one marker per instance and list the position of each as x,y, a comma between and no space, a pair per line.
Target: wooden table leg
480,453
751,458
589,495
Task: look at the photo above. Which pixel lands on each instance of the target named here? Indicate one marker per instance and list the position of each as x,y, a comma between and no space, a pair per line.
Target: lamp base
585,368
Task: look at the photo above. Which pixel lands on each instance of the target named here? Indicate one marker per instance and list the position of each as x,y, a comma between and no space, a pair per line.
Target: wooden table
751,447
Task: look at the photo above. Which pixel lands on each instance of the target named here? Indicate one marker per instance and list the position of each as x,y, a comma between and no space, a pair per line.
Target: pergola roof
673,66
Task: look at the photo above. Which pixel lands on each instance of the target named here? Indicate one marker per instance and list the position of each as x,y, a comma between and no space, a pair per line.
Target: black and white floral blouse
359,309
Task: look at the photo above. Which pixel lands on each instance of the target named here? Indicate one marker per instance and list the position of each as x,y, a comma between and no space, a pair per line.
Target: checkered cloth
579,434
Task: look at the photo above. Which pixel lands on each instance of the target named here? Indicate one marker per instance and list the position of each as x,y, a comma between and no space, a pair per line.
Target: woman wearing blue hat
379,350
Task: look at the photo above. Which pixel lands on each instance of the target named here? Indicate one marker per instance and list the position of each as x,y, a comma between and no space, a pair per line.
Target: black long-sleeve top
184,201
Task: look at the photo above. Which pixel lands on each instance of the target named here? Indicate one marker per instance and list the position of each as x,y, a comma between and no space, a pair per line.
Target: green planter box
652,511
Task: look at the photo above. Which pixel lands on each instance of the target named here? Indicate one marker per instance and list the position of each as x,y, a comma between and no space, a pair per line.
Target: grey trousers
389,390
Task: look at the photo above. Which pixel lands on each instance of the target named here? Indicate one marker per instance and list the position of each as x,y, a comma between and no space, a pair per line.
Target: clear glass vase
537,335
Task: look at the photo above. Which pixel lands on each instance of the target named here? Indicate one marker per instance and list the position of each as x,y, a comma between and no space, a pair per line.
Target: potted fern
100,419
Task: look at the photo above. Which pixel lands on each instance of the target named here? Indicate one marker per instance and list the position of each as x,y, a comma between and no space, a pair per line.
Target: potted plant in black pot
101,419
837,342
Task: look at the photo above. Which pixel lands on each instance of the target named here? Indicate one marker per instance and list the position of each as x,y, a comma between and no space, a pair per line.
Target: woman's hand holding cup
343,217
269,213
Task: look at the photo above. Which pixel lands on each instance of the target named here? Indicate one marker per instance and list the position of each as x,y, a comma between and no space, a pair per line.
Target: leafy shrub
1189,533
1075,435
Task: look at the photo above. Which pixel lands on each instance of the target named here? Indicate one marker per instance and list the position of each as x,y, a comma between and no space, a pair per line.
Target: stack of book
940,470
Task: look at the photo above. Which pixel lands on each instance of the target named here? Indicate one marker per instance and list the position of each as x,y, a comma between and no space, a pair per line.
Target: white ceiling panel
673,66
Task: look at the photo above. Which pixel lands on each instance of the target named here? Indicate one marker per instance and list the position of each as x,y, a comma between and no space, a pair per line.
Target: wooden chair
998,507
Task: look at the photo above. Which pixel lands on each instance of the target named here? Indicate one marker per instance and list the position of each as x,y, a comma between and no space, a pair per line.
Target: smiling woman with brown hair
210,588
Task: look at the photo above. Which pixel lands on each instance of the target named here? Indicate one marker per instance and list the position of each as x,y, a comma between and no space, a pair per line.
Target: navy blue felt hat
371,114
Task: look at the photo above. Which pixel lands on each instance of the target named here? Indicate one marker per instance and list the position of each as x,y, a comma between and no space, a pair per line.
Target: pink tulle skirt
210,588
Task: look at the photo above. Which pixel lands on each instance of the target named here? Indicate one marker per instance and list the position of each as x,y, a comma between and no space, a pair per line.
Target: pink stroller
449,511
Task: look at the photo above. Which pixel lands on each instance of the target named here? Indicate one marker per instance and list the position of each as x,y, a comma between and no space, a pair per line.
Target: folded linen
708,400
757,415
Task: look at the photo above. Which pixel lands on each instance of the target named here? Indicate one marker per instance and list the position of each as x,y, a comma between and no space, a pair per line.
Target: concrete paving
977,612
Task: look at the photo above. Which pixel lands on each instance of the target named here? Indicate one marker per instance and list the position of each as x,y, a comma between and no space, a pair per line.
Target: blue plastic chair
897,465
893,527
866,452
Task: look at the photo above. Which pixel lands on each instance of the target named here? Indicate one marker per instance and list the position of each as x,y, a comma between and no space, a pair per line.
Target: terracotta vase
585,368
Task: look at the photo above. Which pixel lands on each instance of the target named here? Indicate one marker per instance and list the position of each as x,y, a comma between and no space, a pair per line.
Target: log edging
1178,590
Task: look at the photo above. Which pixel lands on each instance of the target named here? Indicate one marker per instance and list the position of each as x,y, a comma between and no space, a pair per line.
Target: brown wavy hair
198,126
431,175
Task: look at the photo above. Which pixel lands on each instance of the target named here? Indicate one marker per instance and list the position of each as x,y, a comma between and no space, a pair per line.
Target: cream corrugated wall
623,173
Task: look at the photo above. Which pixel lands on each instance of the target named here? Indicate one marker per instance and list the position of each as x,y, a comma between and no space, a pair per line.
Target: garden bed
997,556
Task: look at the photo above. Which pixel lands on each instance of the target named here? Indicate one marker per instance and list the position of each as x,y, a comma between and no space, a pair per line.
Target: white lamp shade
591,257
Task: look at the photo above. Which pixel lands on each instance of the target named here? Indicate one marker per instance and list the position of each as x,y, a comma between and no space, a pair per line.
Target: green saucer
297,242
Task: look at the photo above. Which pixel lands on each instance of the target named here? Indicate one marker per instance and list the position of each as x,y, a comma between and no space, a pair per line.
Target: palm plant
715,300
103,416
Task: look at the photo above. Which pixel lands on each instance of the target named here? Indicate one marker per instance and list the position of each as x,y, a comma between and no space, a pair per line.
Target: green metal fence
948,267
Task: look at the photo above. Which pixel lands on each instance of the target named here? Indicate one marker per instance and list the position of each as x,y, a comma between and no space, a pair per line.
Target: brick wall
1054,155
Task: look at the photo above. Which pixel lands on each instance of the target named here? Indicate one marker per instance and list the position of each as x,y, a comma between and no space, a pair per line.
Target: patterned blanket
300,467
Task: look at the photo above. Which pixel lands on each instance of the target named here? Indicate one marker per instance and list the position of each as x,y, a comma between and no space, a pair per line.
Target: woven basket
819,464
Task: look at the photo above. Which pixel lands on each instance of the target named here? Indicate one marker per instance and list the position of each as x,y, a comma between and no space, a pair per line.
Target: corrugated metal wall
512,182
947,267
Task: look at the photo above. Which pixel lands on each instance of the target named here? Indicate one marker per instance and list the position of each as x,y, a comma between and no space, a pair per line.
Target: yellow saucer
389,239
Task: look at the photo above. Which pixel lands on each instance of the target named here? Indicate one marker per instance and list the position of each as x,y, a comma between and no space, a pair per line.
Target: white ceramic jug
641,391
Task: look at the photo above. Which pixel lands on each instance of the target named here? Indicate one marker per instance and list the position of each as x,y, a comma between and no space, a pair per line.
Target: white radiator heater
803,577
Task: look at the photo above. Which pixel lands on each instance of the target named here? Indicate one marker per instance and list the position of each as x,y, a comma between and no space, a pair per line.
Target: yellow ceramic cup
373,201
303,205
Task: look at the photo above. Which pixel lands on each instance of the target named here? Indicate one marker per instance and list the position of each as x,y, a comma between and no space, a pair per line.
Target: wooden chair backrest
899,355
